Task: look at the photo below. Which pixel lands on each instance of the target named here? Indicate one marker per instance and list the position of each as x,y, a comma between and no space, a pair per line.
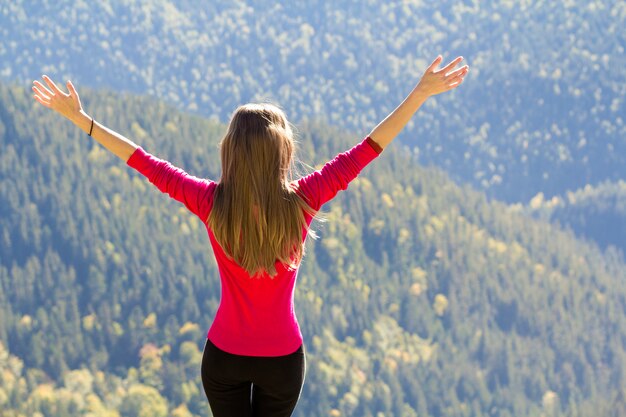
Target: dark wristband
374,145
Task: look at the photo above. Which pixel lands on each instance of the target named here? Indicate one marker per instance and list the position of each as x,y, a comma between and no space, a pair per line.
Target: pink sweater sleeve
195,193
322,185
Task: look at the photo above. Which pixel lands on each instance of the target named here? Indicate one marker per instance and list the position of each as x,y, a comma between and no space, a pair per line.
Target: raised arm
434,81
68,105
322,185
195,193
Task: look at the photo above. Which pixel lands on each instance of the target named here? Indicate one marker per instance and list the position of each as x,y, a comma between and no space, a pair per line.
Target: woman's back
256,316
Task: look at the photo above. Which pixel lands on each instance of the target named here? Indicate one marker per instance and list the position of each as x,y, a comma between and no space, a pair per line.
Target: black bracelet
91,128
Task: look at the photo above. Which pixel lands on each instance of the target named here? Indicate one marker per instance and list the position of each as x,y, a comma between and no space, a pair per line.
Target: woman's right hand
67,105
436,81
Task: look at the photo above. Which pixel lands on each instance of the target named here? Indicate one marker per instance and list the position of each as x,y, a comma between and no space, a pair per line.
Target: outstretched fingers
39,87
41,100
37,90
71,89
53,97
434,64
445,70
53,86
456,80
460,72
456,83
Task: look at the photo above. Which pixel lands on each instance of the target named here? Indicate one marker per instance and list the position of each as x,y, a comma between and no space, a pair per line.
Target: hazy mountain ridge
596,213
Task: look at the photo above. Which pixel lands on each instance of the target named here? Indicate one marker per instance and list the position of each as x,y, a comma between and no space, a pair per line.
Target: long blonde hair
257,218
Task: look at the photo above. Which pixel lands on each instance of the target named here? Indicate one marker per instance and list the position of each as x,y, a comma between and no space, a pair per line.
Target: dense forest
425,295
542,109
420,298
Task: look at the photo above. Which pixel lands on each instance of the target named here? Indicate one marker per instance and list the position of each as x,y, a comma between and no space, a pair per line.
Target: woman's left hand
436,81
54,98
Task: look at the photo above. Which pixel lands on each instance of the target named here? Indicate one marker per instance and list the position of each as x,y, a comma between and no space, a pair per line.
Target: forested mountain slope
542,109
420,297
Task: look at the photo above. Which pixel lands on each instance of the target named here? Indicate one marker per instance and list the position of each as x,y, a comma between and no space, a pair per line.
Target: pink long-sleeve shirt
256,316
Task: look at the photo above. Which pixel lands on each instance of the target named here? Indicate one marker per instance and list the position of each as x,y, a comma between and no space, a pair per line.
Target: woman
257,220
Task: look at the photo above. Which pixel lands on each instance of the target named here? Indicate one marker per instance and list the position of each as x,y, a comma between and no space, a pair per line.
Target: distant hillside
596,213
542,109
420,298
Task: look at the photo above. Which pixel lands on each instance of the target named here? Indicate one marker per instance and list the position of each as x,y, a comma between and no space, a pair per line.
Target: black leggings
252,386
